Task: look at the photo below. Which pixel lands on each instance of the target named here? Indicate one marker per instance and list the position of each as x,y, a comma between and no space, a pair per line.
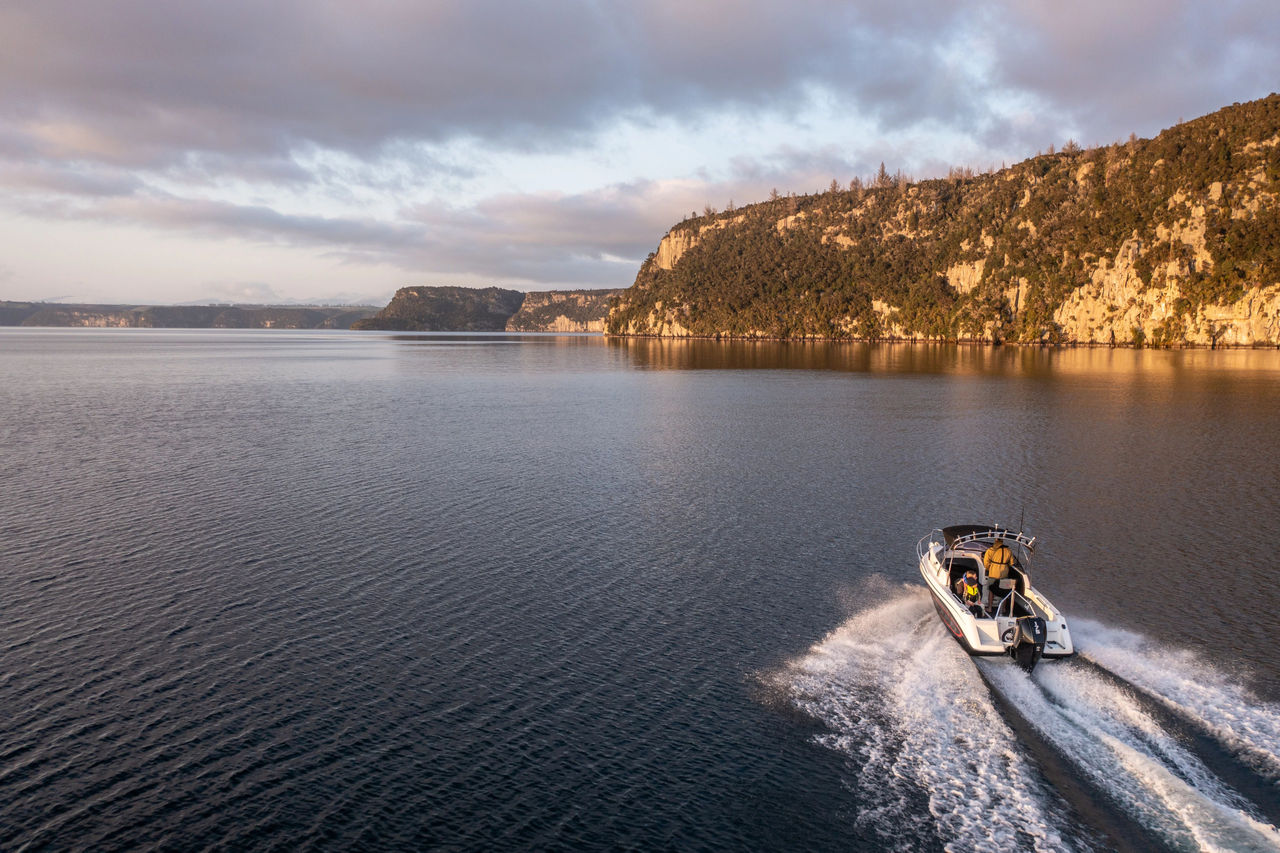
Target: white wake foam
1100,728
905,703
934,759
1187,683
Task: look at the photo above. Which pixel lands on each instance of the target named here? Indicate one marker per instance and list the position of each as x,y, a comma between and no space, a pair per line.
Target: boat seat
1006,586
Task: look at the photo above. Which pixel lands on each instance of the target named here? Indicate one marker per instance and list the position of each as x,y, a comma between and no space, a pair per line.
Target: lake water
276,590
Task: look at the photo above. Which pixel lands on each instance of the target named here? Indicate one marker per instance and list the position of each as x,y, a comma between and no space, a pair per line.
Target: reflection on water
485,591
957,359
492,338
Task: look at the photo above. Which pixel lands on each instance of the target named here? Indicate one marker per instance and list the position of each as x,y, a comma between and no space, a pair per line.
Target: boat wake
1150,748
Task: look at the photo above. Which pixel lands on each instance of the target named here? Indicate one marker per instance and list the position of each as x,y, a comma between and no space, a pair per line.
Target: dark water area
278,590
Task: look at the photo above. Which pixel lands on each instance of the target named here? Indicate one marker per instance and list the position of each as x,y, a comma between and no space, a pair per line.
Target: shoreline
973,342
722,339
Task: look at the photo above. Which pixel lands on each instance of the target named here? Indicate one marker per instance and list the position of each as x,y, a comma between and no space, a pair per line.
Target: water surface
333,590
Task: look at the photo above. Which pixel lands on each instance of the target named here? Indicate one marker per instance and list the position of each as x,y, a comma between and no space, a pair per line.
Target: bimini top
960,533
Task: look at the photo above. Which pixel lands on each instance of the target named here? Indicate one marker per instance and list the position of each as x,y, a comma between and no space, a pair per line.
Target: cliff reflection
925,358
852,357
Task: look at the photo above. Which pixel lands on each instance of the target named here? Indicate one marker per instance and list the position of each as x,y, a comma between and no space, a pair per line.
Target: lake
299,590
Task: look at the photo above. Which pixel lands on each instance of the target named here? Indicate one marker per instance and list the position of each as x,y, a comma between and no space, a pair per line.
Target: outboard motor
1027,643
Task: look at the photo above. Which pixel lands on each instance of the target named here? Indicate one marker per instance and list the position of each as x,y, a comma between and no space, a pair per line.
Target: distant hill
182,316
1167,241
446,309
491,309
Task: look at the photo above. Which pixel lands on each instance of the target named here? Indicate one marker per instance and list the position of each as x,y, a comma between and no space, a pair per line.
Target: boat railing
933,537
1028,542
1033,603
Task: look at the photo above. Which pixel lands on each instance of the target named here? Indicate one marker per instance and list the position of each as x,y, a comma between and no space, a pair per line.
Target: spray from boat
901,699
935,760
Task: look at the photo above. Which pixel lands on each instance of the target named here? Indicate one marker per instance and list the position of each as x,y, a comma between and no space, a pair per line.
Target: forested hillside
1168,240
491,309
446,309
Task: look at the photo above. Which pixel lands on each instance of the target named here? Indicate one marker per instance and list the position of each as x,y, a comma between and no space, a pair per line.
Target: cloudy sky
332,150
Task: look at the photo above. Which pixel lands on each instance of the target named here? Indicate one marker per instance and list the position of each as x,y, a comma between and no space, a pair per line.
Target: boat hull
953,627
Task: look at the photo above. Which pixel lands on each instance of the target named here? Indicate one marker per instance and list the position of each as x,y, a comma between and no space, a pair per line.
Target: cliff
180,316
462,309
563,311
1168,241
446,309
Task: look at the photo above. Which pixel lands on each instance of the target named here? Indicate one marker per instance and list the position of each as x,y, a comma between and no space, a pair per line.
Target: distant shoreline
217,316
722,339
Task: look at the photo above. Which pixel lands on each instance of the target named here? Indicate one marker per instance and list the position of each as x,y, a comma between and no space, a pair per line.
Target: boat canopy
973,539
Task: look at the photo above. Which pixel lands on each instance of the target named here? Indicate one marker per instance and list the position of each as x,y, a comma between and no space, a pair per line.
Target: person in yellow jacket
997,559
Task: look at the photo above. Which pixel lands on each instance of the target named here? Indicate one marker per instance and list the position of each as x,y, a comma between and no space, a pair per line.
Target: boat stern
1058,639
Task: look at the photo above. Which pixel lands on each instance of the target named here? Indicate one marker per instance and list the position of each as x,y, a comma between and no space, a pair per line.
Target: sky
328,151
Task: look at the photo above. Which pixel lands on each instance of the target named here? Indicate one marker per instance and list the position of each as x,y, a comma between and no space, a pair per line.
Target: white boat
1011,616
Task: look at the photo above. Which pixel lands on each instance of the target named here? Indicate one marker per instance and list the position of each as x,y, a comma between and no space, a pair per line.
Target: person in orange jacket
997,560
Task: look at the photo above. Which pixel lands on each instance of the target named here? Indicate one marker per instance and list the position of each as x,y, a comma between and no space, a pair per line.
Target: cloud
40,178
1138,66
244,292
139,83
516,238
222,220
380,131
148,85
594,238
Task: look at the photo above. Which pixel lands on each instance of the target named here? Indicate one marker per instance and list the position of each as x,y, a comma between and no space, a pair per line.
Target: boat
1011,617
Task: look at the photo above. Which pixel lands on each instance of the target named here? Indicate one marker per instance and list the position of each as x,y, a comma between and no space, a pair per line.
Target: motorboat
1007,616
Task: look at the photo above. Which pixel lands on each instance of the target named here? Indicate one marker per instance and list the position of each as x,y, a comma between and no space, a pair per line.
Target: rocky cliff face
1116,307
1169,241
678,241
563,311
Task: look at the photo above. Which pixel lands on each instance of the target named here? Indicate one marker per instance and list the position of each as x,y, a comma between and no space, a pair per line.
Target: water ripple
347,591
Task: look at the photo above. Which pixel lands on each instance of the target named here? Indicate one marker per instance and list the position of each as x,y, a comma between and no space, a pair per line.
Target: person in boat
970,593
997,559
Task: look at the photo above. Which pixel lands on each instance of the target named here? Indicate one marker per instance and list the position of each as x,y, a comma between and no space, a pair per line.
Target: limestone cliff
563,311
1169,241
1116,306
679,241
